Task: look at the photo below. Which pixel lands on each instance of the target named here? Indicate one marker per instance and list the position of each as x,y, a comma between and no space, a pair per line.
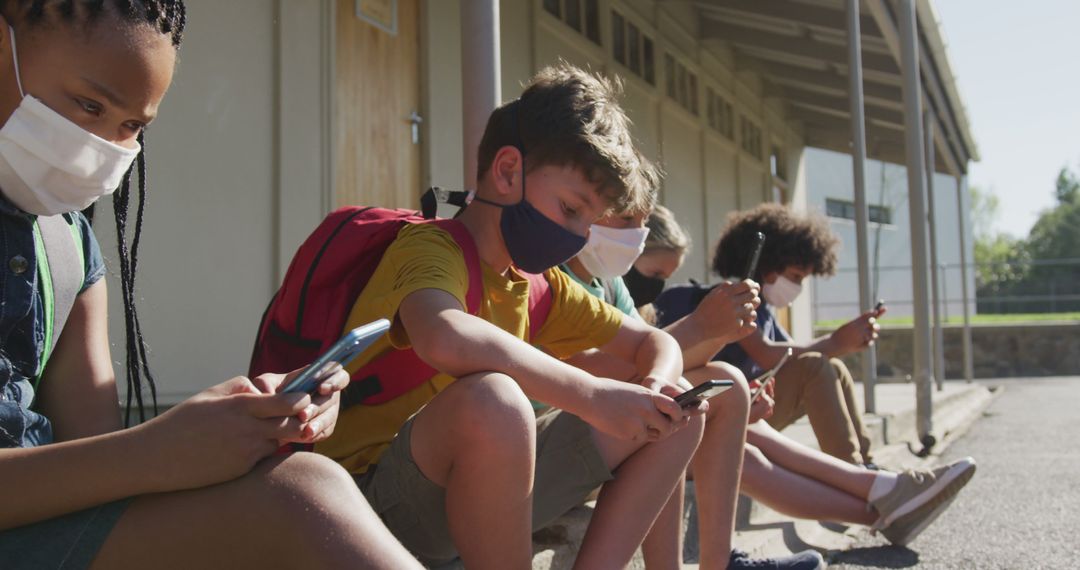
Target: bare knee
306,480
734,401
491,411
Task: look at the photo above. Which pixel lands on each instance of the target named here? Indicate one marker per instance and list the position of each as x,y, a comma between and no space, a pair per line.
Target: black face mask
643,289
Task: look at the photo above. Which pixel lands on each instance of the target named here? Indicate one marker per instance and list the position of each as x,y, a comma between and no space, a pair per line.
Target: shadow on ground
886,556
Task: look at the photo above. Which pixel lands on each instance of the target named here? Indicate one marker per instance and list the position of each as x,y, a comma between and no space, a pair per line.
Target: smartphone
703,391
343,352
755,255
765,378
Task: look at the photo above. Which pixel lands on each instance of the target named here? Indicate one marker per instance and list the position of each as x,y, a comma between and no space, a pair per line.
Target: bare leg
852,479
798,495
301,510
629,505
663,546
717,466
477,440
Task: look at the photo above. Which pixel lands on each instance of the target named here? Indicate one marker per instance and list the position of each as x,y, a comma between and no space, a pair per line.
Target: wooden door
377,94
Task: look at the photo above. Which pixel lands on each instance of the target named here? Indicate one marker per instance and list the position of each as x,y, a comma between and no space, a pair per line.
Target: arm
655,354
475,345
78,391
853,336
217,435
716,321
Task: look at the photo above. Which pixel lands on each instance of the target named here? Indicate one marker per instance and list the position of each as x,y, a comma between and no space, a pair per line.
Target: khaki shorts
568,468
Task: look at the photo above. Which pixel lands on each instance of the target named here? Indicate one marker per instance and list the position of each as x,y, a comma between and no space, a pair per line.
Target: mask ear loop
15,59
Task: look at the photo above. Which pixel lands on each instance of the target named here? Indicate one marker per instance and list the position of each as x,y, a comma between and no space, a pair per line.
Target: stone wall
999,351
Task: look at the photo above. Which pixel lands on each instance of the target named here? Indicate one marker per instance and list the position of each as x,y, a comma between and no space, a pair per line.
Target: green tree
1068,187
1001,261
1054,242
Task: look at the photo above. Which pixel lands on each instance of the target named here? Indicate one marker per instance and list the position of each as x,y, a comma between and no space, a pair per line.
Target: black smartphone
342,352
755,254
765,378
703,391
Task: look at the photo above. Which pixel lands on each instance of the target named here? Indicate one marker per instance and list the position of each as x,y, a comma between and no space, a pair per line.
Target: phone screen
340,354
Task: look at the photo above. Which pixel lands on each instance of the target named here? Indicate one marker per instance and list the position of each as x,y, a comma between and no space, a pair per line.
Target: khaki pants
822,389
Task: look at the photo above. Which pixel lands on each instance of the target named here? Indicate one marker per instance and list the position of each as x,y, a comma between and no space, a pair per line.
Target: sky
1017,66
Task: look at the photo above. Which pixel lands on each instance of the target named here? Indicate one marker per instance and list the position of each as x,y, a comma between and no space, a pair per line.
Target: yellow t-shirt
426,257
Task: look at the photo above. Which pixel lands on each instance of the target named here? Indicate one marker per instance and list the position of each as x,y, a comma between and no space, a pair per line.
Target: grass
975,319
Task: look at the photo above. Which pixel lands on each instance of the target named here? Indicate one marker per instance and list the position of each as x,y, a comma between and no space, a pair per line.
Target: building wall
243,160
237,179
829,175
707,174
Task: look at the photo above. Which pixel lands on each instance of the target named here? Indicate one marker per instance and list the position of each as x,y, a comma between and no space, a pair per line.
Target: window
581,15
720,113
750,137
632,48
682,84
846,210
618,37
881,214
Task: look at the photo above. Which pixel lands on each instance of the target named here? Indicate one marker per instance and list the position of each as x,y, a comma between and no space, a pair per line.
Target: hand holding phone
703,391
340,354
767,377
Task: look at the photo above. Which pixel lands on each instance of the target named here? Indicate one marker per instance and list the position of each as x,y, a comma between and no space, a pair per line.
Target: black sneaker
805,560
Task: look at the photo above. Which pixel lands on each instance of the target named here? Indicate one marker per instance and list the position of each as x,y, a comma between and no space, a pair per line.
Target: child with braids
195,487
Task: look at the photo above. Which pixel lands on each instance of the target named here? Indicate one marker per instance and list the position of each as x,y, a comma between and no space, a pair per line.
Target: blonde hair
665,233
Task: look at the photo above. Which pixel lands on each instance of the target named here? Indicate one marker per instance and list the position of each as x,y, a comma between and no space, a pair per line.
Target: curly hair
791,239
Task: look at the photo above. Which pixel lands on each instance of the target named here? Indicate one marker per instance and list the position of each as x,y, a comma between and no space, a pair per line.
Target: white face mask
781,293
49,165
611,252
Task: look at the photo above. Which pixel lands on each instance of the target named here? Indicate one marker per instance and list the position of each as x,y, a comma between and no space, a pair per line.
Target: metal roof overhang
798,48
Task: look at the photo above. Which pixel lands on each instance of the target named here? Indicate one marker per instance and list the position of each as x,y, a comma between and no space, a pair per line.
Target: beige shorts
568,468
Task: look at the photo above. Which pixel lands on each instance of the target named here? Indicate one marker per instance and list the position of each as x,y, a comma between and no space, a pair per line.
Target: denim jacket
22,322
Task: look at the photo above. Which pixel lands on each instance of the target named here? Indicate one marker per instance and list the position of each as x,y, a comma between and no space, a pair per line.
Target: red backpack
324,279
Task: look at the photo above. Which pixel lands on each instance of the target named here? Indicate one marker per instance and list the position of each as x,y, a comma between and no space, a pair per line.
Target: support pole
858,160
922,365
935,278
480,81
962,208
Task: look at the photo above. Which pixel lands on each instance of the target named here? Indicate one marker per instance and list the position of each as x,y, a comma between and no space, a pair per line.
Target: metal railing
1032,286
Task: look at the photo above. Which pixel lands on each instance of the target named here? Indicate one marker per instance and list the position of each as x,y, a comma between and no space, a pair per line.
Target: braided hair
167,17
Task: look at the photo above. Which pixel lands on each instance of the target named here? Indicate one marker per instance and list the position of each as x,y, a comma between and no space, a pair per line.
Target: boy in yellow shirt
461,465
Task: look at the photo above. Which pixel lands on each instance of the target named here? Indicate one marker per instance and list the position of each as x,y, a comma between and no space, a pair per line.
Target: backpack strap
540,301
465,241
61,269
